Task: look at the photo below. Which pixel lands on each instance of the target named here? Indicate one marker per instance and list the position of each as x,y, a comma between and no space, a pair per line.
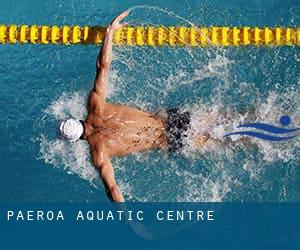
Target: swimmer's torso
124,130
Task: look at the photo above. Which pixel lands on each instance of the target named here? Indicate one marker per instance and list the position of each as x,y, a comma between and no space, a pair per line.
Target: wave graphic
262,136
269,128
284,121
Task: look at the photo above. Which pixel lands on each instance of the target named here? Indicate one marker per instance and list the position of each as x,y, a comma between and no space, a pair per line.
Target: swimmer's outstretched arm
103,164
105,56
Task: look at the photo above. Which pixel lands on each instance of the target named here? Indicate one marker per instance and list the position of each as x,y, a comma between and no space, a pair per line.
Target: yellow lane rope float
152,36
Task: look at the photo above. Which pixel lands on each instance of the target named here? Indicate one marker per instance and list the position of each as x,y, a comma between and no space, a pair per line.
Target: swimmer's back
126,130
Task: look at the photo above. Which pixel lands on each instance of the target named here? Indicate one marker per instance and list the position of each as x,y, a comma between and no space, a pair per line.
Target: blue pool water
42,84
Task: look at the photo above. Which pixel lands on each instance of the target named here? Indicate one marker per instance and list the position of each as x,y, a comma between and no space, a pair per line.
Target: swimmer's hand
105,57
115,24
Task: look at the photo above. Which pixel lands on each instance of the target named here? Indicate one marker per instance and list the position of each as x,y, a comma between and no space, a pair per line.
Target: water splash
192,185
74,158
214,84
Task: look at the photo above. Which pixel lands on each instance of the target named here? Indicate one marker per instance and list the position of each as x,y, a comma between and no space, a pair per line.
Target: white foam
214,118
271,110
174,182
216,121
68,105
72,157
211,188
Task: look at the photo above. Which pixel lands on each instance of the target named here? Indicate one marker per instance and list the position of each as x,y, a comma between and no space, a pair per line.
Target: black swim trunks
177,125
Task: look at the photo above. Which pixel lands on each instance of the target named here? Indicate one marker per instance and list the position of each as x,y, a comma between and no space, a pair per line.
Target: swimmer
114,130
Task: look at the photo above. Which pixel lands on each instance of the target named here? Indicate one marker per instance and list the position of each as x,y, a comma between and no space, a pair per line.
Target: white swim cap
70,130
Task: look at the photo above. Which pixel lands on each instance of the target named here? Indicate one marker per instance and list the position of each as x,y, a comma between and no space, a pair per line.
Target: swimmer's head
70,130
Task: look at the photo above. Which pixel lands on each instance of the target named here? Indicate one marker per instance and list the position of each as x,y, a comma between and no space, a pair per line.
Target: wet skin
123,130
118,130
112,129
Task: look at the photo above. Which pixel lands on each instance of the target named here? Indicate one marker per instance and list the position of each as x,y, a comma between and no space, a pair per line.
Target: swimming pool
42,84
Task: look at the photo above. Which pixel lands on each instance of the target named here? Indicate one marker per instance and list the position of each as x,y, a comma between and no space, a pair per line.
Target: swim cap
70,130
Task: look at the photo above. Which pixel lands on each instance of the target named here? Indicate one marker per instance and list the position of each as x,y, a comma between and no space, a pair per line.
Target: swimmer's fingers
122,25
122,16
115,24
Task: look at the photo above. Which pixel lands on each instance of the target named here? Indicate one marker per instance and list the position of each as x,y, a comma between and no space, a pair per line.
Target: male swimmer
117,130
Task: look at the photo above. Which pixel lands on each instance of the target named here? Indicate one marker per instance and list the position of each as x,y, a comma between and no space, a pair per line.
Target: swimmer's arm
103,64
103,164
105,56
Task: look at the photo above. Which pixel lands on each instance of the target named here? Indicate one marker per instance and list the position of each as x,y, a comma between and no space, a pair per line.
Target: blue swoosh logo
269,128
262,136
284,121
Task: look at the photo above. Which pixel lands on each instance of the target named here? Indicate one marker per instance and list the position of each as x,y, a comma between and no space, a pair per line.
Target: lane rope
152,35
